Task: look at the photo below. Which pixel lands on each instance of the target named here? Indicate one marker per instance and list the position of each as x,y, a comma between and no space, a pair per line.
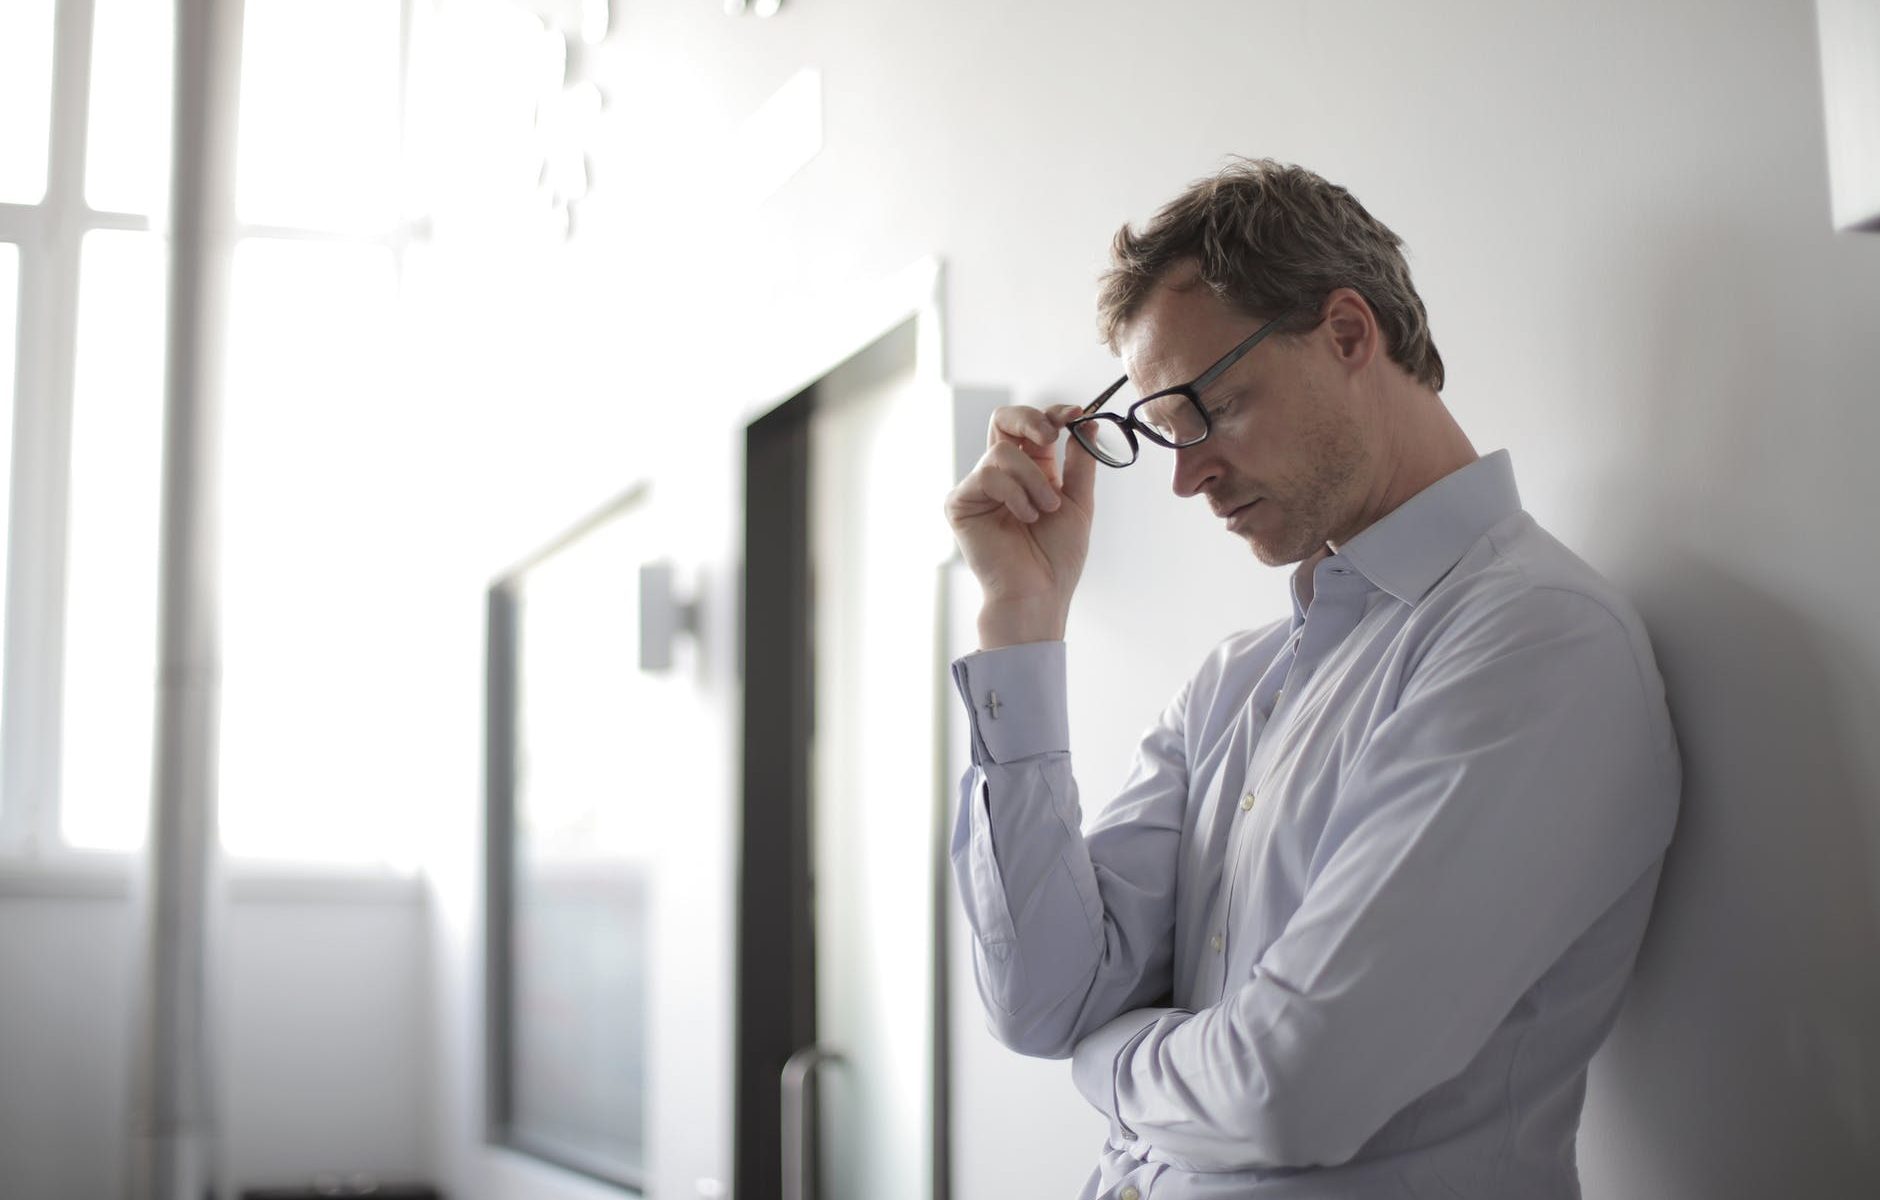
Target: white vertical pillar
174,1144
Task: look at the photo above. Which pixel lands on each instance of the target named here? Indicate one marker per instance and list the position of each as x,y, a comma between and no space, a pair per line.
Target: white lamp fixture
664,617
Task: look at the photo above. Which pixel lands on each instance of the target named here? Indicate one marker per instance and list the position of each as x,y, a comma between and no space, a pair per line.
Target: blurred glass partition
572,875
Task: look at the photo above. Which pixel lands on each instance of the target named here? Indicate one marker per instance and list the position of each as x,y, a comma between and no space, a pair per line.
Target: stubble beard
1315,505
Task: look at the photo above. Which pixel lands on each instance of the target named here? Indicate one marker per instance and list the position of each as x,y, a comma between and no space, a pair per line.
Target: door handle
799,1127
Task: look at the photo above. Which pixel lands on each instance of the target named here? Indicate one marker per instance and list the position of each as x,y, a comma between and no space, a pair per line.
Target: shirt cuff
1093,1064
1015,701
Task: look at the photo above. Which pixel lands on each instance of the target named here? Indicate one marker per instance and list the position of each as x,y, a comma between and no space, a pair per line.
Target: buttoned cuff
1015,701
1093,1064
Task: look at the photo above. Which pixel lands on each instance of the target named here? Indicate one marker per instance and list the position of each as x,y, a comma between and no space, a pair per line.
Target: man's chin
1267,553
1273,555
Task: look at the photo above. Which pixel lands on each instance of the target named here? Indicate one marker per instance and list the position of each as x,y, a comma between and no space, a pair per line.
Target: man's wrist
1012,623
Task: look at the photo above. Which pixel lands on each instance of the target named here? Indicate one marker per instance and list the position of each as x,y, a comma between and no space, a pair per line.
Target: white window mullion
116,220
71,103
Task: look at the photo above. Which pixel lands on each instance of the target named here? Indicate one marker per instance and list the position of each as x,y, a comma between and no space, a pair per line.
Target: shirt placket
1335,610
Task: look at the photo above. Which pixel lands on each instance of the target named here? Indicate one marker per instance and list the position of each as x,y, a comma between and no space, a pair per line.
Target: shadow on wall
1746,1064
1747,1060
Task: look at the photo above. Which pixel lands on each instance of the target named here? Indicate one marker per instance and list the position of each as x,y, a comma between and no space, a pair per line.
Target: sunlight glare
25,98
111,559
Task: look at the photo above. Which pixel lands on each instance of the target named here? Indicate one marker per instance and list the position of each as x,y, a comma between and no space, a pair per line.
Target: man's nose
1195,468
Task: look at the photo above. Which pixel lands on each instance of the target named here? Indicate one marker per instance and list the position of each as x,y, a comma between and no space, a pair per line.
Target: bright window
82,324
127,158
25,98
315,725
319,114
111,542
312,759
313,728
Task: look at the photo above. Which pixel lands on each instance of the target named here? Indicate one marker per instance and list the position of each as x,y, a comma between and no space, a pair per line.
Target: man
1368,901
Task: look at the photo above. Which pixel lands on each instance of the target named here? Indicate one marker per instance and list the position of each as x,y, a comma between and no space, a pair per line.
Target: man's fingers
1018,422
1001,488
1006,460
1022,440
1006,477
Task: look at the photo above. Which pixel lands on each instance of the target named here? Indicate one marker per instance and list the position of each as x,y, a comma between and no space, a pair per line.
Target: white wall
323,1062
1618,216
64,1041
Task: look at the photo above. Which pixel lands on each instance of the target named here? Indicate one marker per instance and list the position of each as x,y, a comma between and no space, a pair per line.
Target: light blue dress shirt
1369,899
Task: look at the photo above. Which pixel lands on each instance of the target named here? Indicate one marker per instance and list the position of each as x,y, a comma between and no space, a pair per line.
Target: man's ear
1355,336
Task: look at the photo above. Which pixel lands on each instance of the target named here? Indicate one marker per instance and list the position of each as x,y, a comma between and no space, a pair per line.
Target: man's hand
1023,525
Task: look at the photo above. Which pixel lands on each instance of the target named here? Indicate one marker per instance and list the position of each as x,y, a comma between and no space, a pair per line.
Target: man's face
1289,460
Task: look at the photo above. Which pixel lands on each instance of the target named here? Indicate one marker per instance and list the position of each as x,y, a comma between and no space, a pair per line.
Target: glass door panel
873,778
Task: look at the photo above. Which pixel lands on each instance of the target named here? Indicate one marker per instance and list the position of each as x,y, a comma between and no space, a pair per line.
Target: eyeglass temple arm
1239,352
1103,399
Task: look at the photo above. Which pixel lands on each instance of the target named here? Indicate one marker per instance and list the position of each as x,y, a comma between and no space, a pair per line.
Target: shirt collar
1415,544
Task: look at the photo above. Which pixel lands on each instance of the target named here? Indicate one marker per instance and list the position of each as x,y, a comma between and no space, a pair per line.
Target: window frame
50,237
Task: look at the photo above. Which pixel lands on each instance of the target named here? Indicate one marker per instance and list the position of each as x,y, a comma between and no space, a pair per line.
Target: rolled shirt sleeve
1521,787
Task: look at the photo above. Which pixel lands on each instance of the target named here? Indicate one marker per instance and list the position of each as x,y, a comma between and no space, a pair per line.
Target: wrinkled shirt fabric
1368,902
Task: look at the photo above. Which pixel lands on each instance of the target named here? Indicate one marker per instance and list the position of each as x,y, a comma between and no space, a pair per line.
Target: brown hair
1268,238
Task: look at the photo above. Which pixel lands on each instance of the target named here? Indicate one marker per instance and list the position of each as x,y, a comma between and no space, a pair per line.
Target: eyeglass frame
1190,391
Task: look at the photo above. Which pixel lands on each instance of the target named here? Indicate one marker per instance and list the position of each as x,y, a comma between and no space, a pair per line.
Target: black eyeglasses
1173,417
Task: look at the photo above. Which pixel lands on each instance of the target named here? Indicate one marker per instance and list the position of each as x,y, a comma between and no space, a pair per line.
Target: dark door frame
775,1006
774,1010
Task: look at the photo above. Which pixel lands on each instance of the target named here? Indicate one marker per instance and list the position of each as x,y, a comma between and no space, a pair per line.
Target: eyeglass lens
1108,440
1176,419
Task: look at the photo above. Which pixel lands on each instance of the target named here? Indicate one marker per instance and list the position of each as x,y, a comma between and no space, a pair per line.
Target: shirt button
1129,1193
1246,802
1214,943
1277,697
